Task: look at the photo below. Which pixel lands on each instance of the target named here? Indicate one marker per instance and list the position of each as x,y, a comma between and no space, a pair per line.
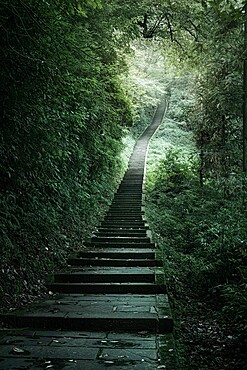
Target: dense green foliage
195,193
200,231
63,116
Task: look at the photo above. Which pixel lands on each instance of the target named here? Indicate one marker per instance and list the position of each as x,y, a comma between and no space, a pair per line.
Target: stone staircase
115,284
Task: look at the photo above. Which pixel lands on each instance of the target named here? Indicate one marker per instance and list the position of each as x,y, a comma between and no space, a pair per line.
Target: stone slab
108,288
117,262
110,270
73,353
84,350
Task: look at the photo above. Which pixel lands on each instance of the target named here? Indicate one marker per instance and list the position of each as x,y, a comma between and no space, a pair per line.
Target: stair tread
119,259
104,302
105,283
114,311
107,270
119,250
114,262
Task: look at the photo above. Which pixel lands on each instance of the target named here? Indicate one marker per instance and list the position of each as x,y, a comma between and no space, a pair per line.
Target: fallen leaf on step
18,350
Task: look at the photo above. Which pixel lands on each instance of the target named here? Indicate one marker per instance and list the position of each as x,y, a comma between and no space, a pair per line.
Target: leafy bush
63,115
200,231
171,175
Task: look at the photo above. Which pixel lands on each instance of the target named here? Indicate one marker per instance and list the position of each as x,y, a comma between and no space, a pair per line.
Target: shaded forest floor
17,301
205,339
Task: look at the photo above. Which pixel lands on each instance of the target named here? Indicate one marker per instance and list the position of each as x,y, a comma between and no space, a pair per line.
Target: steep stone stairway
112,289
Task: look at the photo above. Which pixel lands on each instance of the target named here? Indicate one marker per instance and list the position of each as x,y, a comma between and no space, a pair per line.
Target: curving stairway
114,288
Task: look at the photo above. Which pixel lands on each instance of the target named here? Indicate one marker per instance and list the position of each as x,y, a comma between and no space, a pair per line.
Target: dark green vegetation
201,233
197,196
67,102
63,114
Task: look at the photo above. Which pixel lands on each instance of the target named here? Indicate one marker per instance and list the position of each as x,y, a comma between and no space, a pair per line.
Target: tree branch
169,27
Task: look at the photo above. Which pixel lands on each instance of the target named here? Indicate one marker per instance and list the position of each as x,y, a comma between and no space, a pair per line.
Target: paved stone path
110,308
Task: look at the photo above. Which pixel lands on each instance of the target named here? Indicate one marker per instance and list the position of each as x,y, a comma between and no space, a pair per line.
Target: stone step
82,350
125,207
113,262
120,233
118,220
119,245
124,217
135,192
134,176
130,198
123,201
119,198
127,193
131,194
130,189
124,224
125,212
107,288
126,198
134,197
116,313
116,276
115,227
135,188
142,229
120,239
127,203
118,253
128,218
134,183
130,226
131,211
132,180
